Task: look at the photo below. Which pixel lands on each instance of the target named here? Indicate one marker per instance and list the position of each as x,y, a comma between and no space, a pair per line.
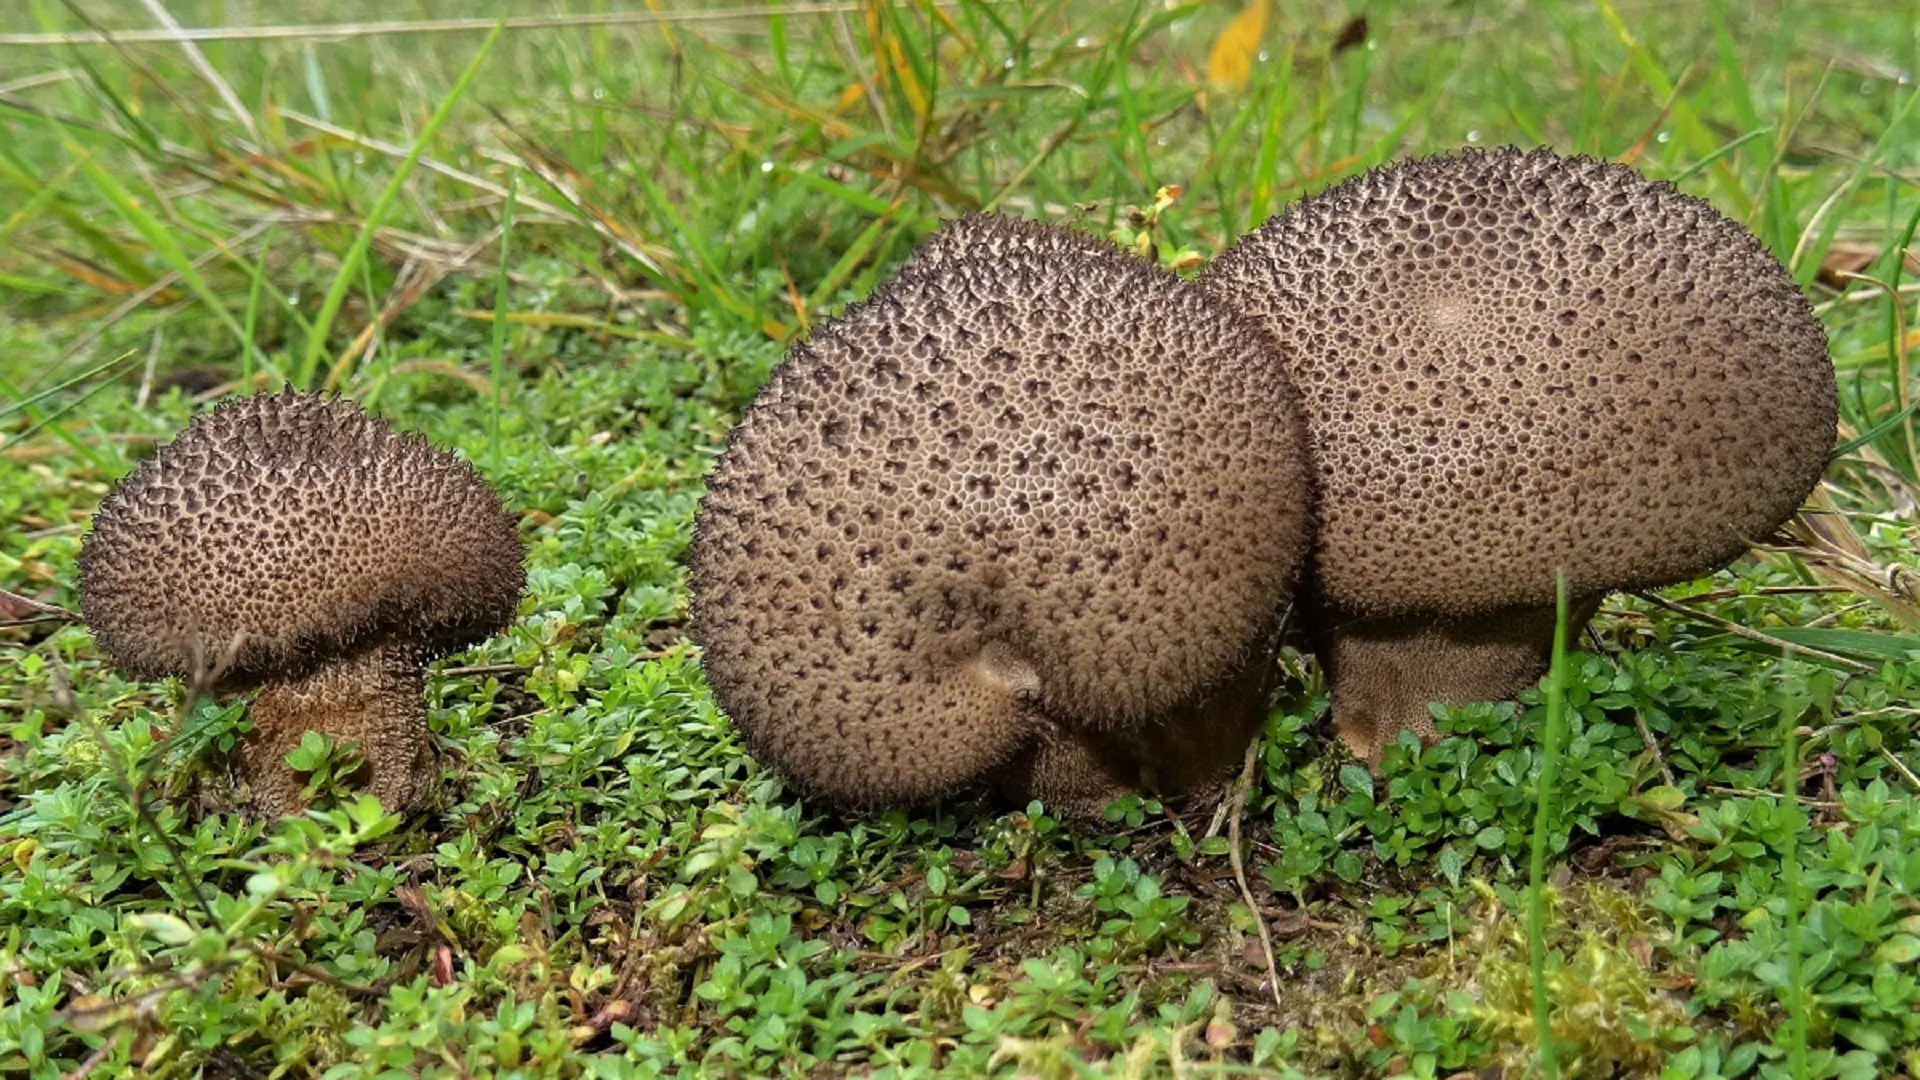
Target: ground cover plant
571,247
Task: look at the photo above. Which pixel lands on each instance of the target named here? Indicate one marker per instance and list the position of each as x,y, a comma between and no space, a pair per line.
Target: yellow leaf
1230,63
849,96
908,84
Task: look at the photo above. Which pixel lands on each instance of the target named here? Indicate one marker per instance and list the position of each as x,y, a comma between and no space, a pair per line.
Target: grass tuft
352,263
1552,740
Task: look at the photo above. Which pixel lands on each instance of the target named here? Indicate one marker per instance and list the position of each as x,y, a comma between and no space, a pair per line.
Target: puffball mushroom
1032,512
1514,363
295,543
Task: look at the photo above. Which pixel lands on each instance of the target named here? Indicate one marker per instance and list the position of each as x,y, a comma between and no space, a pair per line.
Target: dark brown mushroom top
1038,482
986,237
1513,362
294,529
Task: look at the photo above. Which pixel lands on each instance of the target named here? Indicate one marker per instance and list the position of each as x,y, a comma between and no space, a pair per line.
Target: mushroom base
1385,670
375,701
1078,772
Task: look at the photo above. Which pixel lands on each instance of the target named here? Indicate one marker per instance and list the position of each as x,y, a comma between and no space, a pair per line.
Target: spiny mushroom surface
1033,490
294,541
1514,363
987,238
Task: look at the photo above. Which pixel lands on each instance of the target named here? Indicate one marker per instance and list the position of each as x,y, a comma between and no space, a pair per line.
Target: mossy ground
607,884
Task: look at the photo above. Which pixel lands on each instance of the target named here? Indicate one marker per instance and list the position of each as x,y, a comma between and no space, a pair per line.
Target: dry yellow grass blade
479,384
555,319
666,29
342,31
1826,541
1230,62
90,273
568,183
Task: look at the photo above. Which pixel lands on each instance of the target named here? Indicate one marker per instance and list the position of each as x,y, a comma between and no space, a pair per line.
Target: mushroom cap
1041,483
1513,362
294,530
988,237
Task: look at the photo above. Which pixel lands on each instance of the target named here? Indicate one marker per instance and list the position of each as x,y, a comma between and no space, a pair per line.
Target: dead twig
1639,721
100,1054
485,669
52,611
345,30
1751,634
206,71
1756,793
1764,590
1240,790
1894,760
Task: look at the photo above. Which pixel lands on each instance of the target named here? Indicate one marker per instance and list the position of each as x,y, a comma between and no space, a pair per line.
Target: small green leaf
310,754
1664,798
1898,949
1347,865
168,928
1866,1037
1356,778
1493,836
1451,864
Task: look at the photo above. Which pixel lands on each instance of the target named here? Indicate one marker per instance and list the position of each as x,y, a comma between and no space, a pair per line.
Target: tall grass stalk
350,263
253,314
1796,1003
1552,743
499,347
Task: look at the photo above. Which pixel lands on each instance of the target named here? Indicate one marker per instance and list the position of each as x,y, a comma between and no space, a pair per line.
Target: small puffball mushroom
295,543
1514,363
1031,513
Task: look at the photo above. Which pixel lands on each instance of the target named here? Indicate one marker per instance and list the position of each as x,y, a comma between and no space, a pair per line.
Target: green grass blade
160,238
1688,172
1551,743
253,313
92,457
1272,129
842,269
1873,432
499,344
694,253
1809,257
1796,1003
18,402
350,264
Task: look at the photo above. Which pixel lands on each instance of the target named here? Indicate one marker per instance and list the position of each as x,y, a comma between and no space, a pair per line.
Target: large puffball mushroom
295,543
1514,363
1034,500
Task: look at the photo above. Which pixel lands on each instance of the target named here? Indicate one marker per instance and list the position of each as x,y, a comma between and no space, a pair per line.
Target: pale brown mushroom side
1512,364
1032,492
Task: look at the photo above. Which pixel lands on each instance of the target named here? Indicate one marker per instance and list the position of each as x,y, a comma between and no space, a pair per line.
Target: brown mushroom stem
1385,670
375,701
1183,753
